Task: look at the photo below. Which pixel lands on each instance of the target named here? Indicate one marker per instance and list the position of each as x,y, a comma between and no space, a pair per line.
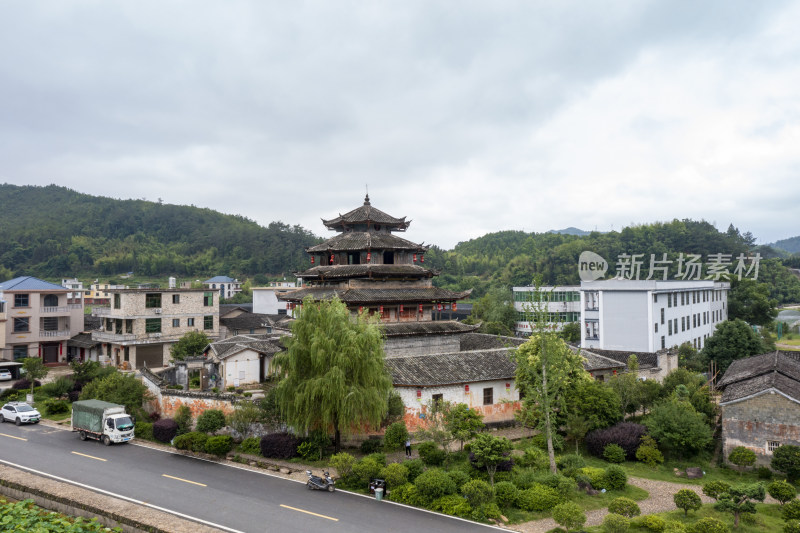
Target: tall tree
334,378
190,345
750,300
34,369
546,369
464,423
490,451
732,339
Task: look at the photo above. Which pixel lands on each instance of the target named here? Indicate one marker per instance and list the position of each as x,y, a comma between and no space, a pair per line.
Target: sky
466,117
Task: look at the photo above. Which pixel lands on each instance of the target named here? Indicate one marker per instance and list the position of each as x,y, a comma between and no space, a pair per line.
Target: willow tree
334,378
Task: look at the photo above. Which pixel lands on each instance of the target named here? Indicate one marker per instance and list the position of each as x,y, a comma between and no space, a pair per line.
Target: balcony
58,333
141,338
101,311
54,310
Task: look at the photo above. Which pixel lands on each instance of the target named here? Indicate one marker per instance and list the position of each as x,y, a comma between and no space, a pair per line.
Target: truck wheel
18,421
106,440
82,435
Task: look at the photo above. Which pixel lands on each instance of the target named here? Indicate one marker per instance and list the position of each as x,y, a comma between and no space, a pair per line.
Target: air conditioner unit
157,311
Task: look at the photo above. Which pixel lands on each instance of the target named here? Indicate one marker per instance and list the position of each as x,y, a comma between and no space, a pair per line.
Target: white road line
120,496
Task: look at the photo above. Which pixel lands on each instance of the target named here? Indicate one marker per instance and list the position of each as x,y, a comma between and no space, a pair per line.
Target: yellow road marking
185,480
309,512
12,437
91,457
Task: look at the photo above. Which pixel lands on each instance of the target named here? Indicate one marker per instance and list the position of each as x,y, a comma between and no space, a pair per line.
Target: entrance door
50,353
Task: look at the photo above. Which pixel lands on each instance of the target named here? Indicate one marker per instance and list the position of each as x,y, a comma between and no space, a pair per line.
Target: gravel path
660,500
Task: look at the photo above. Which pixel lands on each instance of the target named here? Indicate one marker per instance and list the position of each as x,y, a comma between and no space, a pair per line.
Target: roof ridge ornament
366,200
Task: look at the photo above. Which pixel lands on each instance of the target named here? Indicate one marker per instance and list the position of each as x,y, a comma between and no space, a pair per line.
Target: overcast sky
466,117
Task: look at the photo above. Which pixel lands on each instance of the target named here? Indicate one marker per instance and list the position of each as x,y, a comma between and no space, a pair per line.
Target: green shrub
782,491
791,510
459,477
378,457
533,457
219,445
433,484
615,478
431,454
742,457
370,446
477,492
183,416
395,436
58,388
624,506
210,420
713,489
613,453
650,522
193,441
365,470
343,463
564,485
597,476
506,494
786,459
614,523
143,430
523,478
673,526
540,441
710,525
792,526
395,474
570,464
649,455
415,468
688,500
763,472
538,498
485,512
453,505
406,494
250,445
53,406
230,388
569,514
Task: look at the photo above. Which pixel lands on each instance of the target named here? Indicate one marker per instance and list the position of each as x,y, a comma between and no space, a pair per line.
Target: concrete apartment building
562,305
265,299
649,316
141,325
37,319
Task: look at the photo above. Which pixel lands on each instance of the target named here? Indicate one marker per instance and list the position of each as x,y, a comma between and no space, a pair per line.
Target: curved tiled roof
366,271
376,296
267,344
366,240
364,214
437,327
773,370
451,368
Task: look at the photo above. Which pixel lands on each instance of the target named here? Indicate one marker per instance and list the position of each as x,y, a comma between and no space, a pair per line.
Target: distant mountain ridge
791,245
570,231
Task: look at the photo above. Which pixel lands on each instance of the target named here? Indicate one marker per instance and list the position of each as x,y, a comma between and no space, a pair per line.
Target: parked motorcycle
320,483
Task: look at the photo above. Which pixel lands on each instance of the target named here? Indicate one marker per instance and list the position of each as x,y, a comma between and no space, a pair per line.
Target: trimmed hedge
279,445
218,445
143,430
627,435
22,384
194,441
210,420
165,429
538,498
434,483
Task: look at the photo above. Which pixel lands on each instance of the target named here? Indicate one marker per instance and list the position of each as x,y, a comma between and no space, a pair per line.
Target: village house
37,319
243,359
225,286
141,325
760,405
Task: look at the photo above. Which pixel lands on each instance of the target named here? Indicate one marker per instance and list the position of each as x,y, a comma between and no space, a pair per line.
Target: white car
19,413
5,375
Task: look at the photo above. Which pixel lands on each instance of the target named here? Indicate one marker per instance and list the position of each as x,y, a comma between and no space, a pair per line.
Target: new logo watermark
686,267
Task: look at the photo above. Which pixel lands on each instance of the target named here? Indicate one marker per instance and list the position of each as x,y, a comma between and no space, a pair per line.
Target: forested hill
513,258
53,231
791,245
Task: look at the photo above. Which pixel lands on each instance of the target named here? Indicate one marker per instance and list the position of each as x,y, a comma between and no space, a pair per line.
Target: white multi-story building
562,305
265,299
648,316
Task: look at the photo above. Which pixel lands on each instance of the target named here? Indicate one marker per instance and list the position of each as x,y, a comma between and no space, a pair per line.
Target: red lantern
312,259
419,393
369,257
331,258
420,308
439,307
360,309
615,372
455,306
415,258
421,258
381,308
466,389
401,308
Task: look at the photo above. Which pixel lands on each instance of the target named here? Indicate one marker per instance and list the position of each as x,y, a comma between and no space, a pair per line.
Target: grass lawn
766,519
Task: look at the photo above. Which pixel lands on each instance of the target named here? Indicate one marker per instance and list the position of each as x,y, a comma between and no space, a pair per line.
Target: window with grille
21,300
117,301
190,322
21,324
176,322
208,322
152,325
772,445
208,299
488,396
152,299
176,298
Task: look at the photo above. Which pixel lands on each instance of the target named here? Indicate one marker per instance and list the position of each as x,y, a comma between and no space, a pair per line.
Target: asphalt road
223,496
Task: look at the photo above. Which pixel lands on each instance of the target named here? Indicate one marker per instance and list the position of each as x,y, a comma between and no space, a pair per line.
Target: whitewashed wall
243,366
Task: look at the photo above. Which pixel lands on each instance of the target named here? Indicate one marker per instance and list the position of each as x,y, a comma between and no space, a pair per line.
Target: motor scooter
320,483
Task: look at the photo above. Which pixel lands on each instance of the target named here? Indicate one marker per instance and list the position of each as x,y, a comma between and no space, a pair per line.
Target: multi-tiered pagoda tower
376,272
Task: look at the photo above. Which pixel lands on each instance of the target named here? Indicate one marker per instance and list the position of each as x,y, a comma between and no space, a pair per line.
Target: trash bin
377,484
379,494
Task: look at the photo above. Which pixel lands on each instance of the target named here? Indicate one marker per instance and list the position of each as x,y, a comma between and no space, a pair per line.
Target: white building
225,286
648,316
265,299
562,305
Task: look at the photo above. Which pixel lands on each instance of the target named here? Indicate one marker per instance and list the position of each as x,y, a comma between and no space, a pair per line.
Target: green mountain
791,245
54,231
